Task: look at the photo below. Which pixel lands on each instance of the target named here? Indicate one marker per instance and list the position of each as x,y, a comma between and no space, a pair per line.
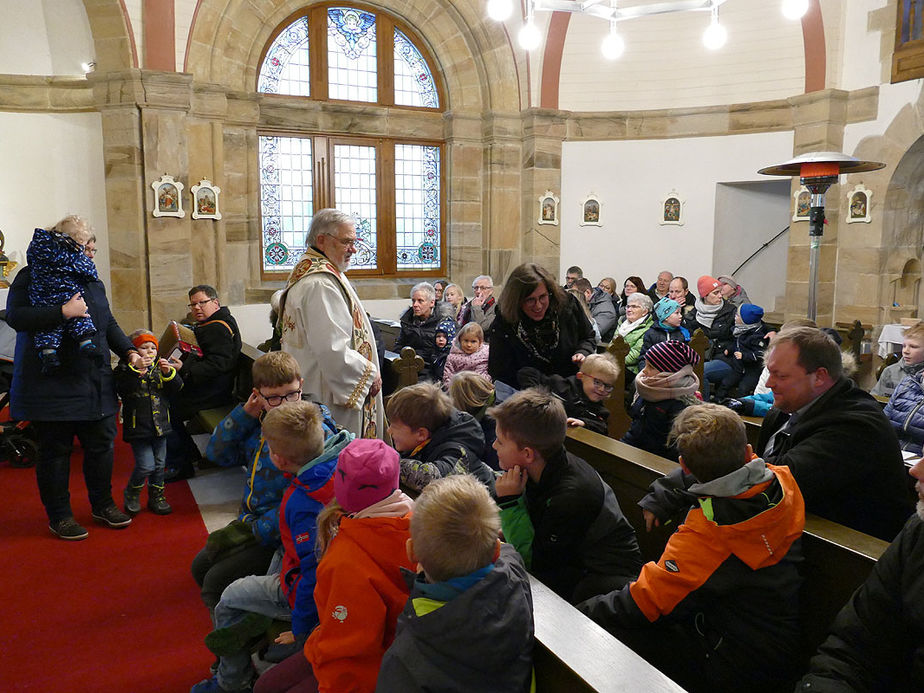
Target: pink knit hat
367,472
705,284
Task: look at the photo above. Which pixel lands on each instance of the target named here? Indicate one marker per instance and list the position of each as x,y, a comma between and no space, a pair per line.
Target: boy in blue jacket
246,546
295,436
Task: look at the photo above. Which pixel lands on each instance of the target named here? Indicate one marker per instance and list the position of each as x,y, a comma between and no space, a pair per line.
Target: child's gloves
236,535
741,406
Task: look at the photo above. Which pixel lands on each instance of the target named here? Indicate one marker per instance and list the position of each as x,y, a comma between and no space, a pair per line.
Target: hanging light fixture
715,35
613,45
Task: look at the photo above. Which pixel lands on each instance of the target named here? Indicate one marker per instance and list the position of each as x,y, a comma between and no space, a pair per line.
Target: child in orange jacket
360,592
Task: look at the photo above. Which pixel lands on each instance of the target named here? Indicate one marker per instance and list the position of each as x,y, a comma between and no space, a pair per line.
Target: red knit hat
367,472
140,339
705,284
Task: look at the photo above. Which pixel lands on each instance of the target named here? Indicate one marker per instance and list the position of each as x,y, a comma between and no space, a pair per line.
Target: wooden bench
206,420
837,558
573,654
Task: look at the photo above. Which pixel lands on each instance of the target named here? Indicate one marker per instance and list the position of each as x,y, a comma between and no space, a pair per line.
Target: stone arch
112,39
475,58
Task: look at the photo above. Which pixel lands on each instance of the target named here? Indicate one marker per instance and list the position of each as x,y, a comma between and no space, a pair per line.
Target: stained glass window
285,68
414,84
286,199
417,206
355,193
352,72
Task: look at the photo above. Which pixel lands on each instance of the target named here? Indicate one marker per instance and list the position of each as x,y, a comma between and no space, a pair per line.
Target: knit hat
723,279
671,356
448,327
367,472
705,284
665,308
140,339
750,313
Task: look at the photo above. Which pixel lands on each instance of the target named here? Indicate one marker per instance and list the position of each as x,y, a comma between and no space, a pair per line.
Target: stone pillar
818,119
543,134
502,222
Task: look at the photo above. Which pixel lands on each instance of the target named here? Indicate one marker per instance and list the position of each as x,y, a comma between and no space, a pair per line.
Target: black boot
132,498
157,504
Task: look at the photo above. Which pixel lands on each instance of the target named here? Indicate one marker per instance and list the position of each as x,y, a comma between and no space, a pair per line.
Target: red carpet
118,611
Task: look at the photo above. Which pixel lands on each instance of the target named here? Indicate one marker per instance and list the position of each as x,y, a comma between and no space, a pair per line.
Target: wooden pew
837,558
573,654
206,420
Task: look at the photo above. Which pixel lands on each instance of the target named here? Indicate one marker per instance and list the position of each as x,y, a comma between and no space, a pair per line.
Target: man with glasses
326,329
481,308
208,380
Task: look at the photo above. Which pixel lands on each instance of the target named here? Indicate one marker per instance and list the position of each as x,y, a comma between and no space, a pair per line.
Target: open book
178,341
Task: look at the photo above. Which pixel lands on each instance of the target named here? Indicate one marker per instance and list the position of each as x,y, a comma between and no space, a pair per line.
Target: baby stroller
17,441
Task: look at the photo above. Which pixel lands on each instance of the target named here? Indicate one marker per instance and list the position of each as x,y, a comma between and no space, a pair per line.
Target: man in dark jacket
418,323
877,641
78,400
208,380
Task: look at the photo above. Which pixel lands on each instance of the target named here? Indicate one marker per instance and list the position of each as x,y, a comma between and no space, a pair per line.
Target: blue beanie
750,313
665,308
448,327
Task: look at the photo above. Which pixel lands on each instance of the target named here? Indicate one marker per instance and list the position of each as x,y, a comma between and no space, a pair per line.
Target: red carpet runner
118,611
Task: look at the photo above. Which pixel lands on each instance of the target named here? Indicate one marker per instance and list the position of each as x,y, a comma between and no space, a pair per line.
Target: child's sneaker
157,504
132,497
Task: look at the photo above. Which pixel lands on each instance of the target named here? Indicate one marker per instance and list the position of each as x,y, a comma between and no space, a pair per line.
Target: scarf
744,329
625,327
540,337
705,314
664,386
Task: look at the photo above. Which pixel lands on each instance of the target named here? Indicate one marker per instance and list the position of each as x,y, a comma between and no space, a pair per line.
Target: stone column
543,134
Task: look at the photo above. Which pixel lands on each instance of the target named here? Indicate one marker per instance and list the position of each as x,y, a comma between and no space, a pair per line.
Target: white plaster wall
861,57
44,37
632,178
747,215
665,64
183,11
135,21
52,167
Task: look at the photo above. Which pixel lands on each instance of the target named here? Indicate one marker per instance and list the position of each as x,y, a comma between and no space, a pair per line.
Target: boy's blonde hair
472,327
423,405
275,369
601,366
533,418
711,439
293,430
455,527
915,332
76,227
470,391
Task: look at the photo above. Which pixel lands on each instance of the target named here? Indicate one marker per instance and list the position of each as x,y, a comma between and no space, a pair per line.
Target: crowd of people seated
379,591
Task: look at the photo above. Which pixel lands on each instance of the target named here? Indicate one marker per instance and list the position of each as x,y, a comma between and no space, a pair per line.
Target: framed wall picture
548,208
858,205
168,197
672,209
205,200
590,211
802,203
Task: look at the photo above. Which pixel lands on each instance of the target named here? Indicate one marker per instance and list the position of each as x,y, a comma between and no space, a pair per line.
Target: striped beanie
671,356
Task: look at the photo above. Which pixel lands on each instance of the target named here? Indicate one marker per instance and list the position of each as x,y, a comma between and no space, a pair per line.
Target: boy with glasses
583,394
246,546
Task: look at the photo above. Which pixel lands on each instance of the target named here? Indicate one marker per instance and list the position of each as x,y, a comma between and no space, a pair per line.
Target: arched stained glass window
414,84
286,68
390,185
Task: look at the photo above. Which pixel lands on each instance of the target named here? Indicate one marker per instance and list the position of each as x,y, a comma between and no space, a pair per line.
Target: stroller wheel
20,451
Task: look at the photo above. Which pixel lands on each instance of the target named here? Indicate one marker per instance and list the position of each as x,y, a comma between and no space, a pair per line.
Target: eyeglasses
276,400
90,251
482,288
600,385
345,242
536,300
199,304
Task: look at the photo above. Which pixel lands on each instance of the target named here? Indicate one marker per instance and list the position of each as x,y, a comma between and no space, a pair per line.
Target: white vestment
318,330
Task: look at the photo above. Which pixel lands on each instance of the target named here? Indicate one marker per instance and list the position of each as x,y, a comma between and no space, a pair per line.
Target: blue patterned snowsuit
59,270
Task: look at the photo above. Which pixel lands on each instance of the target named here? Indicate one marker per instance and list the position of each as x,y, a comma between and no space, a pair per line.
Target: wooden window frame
908,57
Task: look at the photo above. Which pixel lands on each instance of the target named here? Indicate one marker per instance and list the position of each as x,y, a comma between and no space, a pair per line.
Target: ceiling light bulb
499,10
613,46
795,9
529,36
715,36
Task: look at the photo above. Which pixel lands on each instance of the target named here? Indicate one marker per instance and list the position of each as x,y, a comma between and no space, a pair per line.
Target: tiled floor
218,493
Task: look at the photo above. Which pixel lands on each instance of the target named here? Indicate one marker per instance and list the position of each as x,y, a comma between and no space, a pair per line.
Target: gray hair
480,277
325,223
427,288
643,299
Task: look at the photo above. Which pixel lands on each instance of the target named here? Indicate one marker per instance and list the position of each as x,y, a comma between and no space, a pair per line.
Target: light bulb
529,36
499,10
613,46
715,36
795,9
